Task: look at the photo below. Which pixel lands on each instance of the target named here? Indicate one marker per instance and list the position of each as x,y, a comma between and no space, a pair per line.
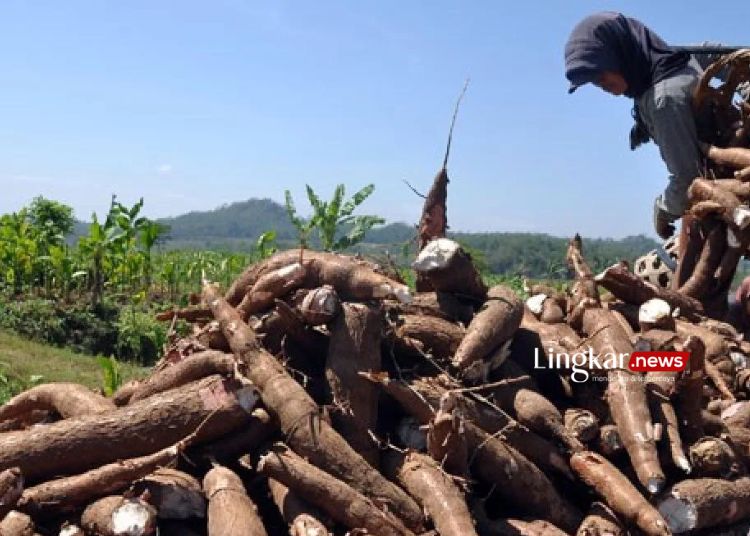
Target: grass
24,363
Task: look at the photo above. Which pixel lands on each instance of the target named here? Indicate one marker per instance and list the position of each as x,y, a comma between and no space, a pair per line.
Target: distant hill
237,226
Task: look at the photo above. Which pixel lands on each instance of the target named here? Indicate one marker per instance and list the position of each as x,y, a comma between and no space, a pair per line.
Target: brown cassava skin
17,524
11,487
739,188
584,287
715,502
175,494
630,288
601,521
440,304
271,286
518,480
691,242
438,337
446,441
458,276
495,323
284,322
625,396
299,417
82,443
316,306
435,491
715,344
743,174
341,502
511,527
713,457
70,493
65,399
121,397
689,400
581,423
354,346
195,367
303,519
618,492
423,394
351,278
230,511
233,445
707,198
734,157
715,376
702,282
660,387
551,313
434,220
531,408
97,517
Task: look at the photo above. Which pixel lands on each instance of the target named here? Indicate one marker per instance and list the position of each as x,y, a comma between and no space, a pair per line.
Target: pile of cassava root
318,396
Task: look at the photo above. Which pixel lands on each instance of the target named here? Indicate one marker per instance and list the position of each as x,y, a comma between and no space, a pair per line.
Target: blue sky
195,104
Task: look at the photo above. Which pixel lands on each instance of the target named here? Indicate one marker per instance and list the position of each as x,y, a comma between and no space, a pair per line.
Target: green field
23,363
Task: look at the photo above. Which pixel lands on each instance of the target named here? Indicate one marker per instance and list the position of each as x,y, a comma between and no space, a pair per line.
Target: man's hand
663,220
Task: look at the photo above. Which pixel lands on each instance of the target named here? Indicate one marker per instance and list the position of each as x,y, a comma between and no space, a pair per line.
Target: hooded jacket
610,41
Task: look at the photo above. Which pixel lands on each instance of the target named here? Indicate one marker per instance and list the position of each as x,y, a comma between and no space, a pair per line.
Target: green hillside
236,227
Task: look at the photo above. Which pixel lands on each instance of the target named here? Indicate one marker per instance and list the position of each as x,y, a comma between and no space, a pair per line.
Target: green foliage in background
111,376
338,228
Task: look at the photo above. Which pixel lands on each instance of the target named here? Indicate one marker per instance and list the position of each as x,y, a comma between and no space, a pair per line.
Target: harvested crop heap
318,395
717,227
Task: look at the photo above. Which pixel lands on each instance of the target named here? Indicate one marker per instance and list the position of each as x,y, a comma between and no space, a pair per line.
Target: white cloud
164,169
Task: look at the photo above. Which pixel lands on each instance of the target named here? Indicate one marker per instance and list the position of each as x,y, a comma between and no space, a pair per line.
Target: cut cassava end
618,492
582,424
318,306
436,336
299,416
655,313
340,501
704,503
601,521
450,269
435,491
494,324
713,457
302,518
354,346
82,443
230,511
65,399
116,516
175,494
